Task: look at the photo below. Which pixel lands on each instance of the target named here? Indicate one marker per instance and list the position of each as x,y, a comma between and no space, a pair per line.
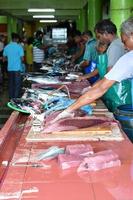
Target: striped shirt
38,54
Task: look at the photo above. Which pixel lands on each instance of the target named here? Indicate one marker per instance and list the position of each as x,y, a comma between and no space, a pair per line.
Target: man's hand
62,115
81,78
86,89
76,67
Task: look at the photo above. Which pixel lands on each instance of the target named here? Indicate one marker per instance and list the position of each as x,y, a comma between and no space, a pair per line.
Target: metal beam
57,4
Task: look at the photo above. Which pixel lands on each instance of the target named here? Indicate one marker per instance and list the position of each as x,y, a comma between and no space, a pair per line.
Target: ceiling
65,9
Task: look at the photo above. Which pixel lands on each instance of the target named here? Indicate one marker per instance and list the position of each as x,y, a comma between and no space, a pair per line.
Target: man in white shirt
123,69
119,73
38,51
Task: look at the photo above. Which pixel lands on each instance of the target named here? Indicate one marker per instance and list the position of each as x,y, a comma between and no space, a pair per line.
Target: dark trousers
15,84
37,66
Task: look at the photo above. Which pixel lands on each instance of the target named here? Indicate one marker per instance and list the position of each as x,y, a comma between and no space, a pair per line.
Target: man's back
115,51
14,52
38,53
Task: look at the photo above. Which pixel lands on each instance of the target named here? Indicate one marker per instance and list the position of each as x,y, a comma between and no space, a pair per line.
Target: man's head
2,38
77,37
15,37
105,31
127,33
87,35
101,47
39,35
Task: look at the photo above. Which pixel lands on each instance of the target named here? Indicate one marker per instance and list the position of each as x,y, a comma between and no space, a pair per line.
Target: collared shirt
90,50
14,53
37,43
123,69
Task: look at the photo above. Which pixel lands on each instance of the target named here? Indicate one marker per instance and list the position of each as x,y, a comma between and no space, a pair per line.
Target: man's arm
78,54
86,57
4,55
22,59
94,93
84,63
88,76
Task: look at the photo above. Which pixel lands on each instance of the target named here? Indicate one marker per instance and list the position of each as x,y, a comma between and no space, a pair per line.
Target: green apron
119,93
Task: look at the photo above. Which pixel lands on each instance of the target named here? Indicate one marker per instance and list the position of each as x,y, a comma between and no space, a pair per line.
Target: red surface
55,184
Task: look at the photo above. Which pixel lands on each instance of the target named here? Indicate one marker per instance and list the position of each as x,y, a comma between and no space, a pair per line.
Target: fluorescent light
41,10
43,16
48,21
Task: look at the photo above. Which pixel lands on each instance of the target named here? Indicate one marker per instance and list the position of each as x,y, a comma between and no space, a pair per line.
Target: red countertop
52,183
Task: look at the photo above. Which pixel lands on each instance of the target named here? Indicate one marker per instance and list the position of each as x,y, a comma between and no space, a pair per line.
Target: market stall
23,177
88,158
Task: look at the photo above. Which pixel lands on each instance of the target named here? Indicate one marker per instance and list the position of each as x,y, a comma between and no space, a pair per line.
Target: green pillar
11,26
94,13
120,10
81,21
3,20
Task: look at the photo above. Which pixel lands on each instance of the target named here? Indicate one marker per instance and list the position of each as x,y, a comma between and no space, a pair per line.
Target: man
78,56
38,51
106,32
119,93
15,55
123,69
90,55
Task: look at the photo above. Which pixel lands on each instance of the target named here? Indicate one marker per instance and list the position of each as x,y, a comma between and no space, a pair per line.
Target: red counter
52,183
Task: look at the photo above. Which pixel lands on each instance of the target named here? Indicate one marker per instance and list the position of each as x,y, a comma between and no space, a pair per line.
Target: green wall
3,19
11,26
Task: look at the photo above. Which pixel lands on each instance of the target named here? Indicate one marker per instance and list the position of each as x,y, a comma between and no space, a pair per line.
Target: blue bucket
124,114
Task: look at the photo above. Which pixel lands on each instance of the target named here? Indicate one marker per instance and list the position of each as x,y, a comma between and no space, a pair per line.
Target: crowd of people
117,70
19,56
99,57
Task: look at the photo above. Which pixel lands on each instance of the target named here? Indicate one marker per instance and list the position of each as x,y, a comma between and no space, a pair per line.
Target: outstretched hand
81,78
62,115
86,89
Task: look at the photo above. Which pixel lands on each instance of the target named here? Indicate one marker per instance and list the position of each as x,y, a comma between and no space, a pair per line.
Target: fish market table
23,179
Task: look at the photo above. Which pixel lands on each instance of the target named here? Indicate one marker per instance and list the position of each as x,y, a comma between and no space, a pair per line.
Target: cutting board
107,132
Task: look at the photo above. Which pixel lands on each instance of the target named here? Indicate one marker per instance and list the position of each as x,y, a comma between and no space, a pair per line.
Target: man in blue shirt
90,55
14,54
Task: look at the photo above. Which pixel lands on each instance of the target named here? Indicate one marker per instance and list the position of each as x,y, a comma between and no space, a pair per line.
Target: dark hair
15,36
30,40
89,33
76,33
105,26
1,37
38,33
